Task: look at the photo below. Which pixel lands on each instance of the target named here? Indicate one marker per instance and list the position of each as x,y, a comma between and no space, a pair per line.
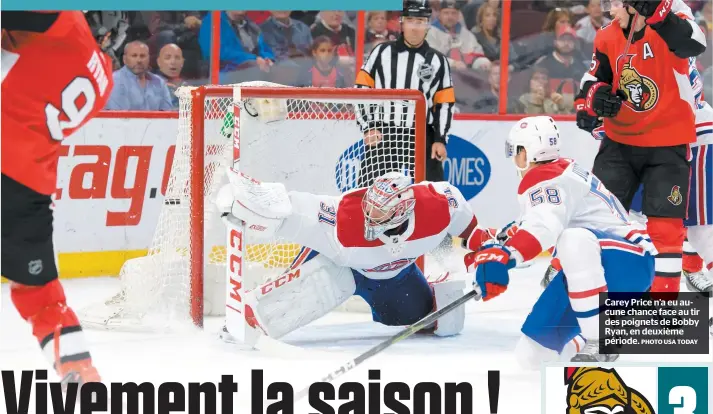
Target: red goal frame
197,158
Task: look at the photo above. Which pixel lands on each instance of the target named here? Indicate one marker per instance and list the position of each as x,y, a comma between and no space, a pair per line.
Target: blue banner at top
258,5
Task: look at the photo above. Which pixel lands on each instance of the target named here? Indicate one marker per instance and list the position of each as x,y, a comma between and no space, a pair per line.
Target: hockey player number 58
70,98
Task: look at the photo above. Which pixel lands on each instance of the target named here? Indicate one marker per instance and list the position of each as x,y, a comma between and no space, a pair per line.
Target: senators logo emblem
600,390
675,198
641,92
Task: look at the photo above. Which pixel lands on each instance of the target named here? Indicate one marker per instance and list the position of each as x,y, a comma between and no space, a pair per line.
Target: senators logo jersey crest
642,93
594,389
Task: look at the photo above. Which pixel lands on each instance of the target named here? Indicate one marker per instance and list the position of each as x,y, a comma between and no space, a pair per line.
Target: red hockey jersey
53,82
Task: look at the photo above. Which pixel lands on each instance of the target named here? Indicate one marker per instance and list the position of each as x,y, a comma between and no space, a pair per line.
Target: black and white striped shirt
393,65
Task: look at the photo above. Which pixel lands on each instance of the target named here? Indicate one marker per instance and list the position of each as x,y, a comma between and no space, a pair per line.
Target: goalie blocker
364,242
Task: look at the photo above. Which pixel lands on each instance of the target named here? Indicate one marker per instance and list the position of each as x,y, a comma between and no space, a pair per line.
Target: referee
406,63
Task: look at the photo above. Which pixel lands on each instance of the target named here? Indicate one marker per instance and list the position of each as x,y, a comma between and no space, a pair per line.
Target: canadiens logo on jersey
642,93
390,267
600,390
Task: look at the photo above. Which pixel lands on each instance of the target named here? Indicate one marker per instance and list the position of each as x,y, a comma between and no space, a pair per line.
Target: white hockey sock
573,347
701,239
580,256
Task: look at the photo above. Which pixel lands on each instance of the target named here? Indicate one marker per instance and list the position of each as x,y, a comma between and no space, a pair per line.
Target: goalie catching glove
261,206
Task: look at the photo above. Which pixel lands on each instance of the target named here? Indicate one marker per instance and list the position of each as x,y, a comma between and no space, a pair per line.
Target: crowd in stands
551,43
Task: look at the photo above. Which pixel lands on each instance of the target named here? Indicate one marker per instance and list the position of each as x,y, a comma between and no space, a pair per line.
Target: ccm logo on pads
258,227
280,281
236,267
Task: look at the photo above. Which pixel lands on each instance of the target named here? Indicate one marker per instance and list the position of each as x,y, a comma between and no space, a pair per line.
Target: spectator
104,40
539,100
170,63
571,6
305,16
564,69
587,26
180,28
343,36
451,38
377,30
259,17
542,44
487,33
324,71
135,88
241,43
393,21
288,38
705,17
114,22
487,101
471,8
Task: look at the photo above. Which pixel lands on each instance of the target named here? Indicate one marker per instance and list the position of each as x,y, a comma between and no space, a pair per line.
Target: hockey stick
629,39
405,333
597,133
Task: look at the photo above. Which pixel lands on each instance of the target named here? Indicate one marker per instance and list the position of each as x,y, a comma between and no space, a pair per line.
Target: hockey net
305,138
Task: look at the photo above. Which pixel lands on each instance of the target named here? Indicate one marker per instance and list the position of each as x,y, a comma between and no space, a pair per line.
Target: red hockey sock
667,235
692,262
53,323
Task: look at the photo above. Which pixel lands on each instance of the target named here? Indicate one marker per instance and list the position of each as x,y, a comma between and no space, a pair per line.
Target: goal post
307,138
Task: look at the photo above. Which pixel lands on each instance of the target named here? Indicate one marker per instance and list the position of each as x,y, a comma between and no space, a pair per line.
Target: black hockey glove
601,102
655,11
585,121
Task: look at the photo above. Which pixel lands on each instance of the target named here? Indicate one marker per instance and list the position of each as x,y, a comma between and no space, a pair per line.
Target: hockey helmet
416,8
387,204
538,135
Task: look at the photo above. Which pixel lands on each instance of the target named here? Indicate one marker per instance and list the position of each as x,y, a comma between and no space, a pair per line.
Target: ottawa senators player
54,80
649,120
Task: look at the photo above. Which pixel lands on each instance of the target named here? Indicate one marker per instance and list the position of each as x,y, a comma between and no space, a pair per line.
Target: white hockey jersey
704,112
704,125
561,195
334,227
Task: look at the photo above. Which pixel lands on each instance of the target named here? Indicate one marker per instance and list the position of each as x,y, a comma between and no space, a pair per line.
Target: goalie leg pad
402,300
299,296
444,293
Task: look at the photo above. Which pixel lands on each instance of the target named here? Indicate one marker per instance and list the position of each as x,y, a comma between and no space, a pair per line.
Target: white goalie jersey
334,227
561,195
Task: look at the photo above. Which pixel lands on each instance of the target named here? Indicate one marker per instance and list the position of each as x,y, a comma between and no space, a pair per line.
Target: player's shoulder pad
431,190
542,173
609,32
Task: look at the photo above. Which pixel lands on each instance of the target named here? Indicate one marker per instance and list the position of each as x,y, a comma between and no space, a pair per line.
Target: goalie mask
388,203
538,135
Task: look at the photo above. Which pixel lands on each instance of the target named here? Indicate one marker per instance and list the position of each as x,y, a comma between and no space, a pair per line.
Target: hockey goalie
364,242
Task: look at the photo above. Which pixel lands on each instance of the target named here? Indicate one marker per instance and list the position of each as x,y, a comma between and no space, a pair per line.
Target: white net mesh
312,145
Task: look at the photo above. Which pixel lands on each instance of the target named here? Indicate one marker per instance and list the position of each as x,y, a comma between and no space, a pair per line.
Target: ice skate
78,372
699,282
590,353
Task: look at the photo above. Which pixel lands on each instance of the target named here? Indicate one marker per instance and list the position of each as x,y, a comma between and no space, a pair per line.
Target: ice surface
487,342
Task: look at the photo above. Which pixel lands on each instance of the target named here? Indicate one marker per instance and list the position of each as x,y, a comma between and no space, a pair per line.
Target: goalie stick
405,333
